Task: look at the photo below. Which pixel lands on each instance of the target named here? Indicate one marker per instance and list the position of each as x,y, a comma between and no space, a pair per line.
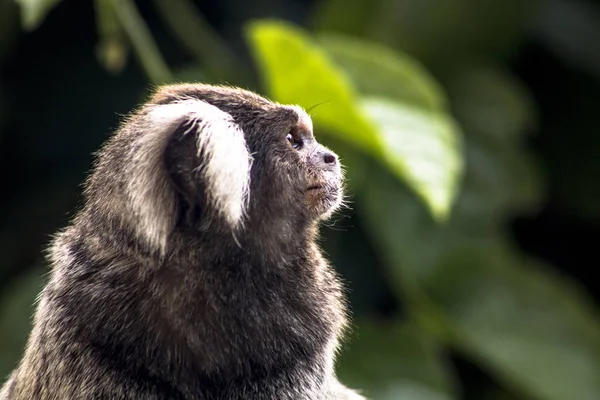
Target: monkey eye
296,143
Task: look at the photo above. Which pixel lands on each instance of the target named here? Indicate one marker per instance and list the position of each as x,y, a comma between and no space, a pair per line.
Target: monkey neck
256,309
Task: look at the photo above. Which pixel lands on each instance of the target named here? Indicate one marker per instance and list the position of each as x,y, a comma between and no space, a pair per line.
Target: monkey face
322,181
292,174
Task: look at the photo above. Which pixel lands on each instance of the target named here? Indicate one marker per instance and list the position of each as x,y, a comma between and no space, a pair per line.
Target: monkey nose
329,158
324,159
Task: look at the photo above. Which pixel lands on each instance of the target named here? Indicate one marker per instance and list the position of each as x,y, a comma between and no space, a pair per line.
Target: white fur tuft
225,164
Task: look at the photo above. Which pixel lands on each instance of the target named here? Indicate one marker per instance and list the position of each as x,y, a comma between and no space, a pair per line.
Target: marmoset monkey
192,271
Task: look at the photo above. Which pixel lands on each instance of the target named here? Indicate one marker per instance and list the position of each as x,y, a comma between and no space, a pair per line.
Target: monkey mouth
322,191
323,188
323,196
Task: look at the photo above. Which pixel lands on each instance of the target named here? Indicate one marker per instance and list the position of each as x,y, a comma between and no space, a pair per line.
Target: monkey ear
223,161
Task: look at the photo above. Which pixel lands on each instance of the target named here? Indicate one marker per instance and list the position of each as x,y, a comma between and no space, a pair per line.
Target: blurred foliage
14,303
33,12
418,99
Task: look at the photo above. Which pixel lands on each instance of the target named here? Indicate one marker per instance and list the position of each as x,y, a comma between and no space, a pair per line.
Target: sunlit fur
192,269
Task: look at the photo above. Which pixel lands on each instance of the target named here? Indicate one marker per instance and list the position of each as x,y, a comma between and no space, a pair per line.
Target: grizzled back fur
191,271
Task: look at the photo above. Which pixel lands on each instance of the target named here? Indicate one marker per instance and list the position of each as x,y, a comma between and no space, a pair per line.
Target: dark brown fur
218,312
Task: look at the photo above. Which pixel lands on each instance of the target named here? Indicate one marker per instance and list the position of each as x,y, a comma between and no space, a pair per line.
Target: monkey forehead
304,120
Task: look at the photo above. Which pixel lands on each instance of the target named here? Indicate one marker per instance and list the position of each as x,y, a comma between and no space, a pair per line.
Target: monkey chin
324,198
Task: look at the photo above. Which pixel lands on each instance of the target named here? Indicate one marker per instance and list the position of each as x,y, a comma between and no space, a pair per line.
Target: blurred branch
142,41
113,47
194,32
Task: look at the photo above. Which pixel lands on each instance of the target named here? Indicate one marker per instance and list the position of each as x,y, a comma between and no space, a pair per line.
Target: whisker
315,106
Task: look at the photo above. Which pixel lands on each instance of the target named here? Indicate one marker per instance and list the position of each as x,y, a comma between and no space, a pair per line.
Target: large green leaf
404,363
379,71
404,125
421,145
33,12
408,108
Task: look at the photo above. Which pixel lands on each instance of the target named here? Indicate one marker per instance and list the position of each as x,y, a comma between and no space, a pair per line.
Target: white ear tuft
225,165
227,162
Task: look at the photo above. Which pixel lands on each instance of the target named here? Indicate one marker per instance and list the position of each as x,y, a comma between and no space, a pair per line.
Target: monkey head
211,158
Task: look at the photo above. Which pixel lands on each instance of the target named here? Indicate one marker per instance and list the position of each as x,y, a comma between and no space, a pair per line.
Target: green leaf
408,107
33,12
377,70
405,129
395,362
422,146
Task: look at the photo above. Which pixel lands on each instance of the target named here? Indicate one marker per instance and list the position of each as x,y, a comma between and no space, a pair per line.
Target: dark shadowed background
470,130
